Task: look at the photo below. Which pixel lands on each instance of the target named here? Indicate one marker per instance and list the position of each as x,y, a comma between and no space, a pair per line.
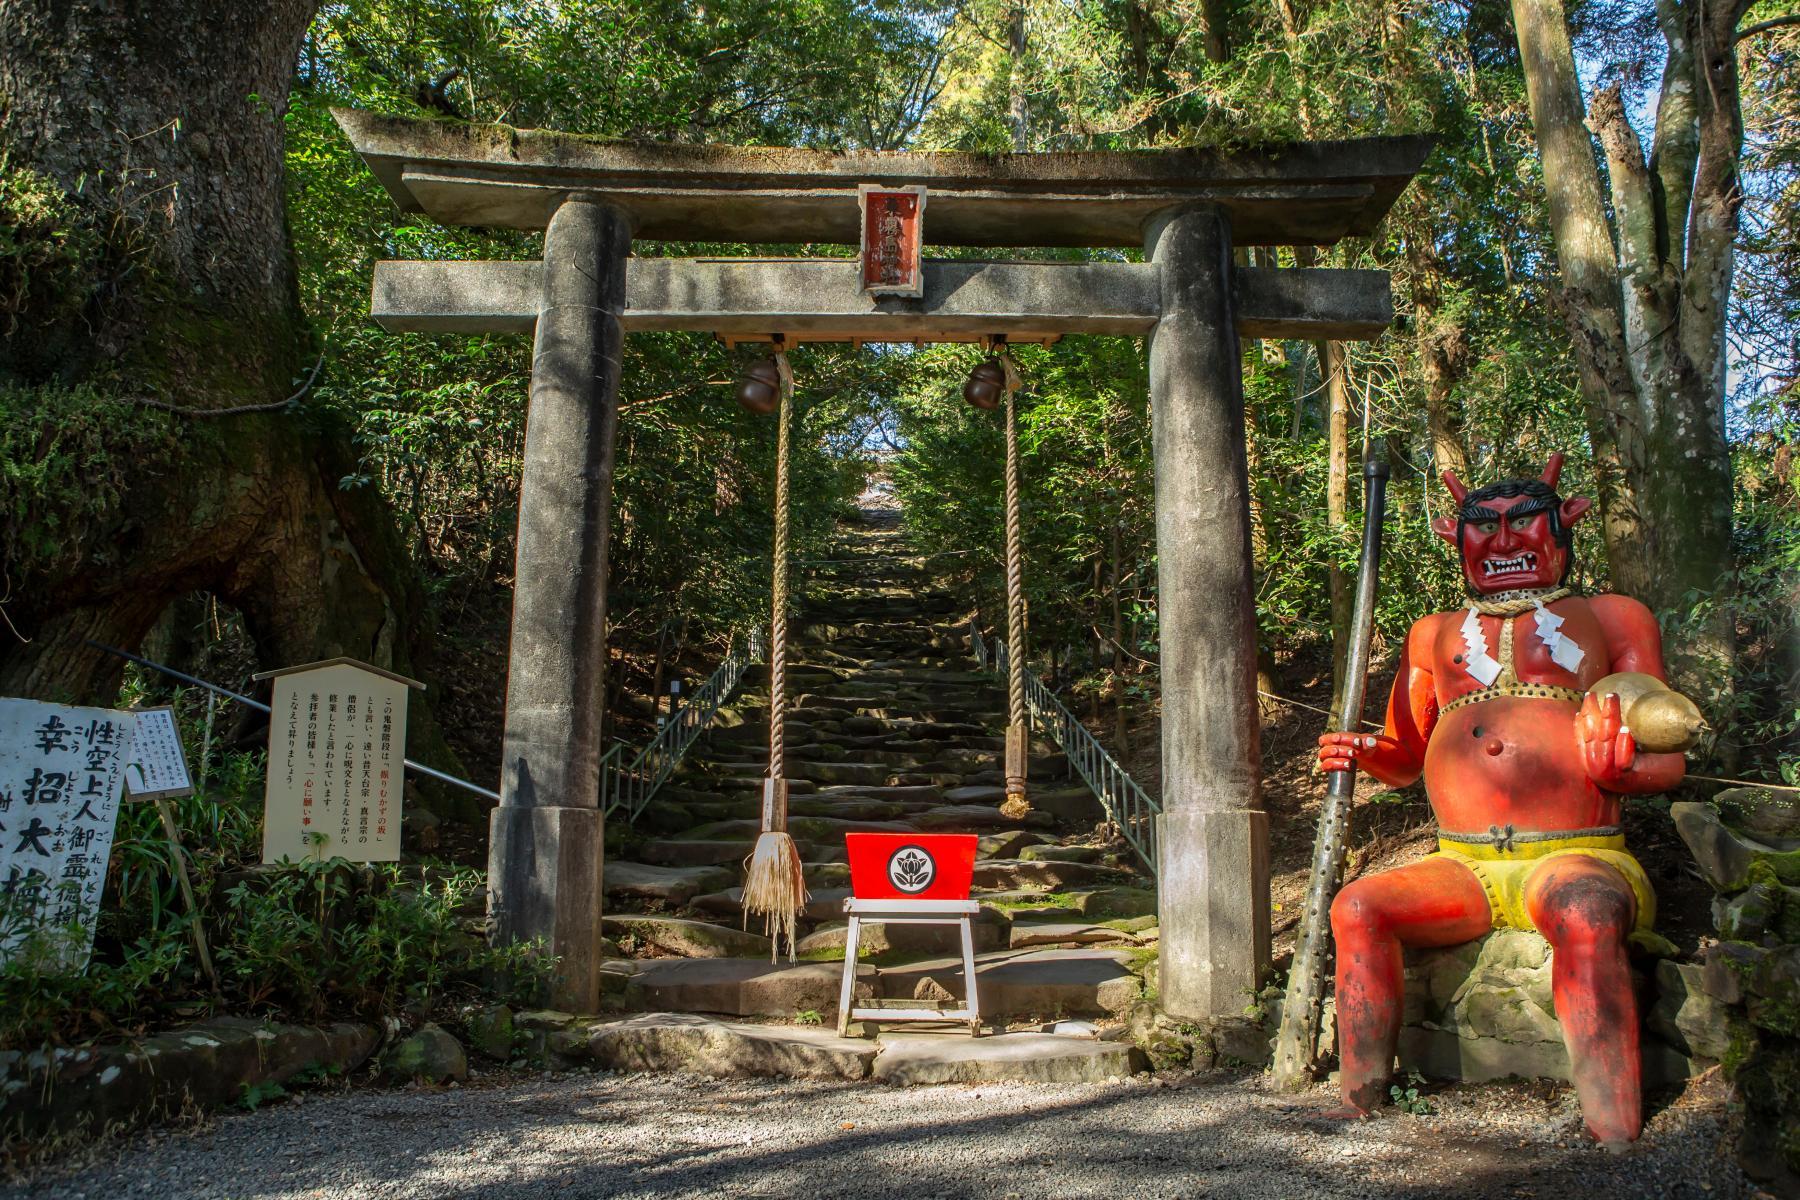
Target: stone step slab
724,1049
1026,934
1030,983
909,1059
740,987
1017,874
969,818
822,904
685,852
1008,843
673,886
692,939
822,830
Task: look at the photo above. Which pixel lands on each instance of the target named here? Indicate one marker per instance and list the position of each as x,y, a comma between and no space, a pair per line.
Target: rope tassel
775,880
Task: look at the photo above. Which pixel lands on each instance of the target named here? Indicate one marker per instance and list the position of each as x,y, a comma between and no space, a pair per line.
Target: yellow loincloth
1504,872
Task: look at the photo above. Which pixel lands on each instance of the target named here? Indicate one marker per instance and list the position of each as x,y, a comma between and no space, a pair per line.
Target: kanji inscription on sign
61,770
158,766
337,750
893,240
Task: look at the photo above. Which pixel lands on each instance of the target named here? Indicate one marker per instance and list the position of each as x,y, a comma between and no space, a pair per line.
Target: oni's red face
1510,542
1511,551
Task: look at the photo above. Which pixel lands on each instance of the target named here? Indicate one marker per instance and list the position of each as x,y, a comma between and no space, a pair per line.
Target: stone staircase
889,730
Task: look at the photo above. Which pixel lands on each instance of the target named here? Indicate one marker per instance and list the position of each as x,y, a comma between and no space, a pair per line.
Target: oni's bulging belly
1512,761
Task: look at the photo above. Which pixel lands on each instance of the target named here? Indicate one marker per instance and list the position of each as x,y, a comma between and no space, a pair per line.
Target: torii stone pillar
1213,893
544,857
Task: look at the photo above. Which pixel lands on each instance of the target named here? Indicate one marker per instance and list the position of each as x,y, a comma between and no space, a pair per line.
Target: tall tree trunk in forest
1015,86
1443,347
1647,318
156,130
1334,368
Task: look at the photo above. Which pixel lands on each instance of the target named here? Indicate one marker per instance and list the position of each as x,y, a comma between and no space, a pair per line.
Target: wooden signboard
158,768
893,240
61,771
337,745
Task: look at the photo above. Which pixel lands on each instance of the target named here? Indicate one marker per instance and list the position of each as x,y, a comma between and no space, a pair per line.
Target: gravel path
580,1135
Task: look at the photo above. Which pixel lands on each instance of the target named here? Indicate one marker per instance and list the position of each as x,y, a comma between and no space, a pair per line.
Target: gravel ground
581,1135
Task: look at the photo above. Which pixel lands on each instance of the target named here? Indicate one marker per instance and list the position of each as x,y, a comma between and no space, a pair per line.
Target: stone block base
1483,1010
544,884
1214,908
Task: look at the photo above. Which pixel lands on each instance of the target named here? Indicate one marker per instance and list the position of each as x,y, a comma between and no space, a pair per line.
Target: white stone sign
158,766
61,770
337,750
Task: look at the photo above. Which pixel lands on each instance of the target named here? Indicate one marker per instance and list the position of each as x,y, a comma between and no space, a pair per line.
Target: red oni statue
1525,772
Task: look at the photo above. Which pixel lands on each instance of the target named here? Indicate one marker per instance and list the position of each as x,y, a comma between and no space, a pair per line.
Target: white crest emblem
911,869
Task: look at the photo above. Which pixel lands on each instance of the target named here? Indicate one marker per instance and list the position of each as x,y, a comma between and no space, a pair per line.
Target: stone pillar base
544,884
1213,897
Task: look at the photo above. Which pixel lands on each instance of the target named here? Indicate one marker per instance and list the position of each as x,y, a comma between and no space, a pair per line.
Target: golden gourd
1661,719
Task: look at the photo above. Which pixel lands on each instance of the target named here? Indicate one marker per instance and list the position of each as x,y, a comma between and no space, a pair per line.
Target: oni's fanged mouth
1524,564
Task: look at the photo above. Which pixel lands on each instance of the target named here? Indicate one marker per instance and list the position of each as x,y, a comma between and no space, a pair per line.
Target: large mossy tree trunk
1646,284
143,144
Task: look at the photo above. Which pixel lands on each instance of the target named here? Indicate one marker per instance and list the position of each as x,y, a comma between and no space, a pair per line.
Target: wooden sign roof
1307,193
340,662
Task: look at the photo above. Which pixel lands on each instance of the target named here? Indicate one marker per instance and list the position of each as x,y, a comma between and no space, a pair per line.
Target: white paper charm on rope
1563,650
1480,663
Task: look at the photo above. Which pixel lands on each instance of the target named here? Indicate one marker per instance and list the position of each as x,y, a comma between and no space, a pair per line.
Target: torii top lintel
1309,193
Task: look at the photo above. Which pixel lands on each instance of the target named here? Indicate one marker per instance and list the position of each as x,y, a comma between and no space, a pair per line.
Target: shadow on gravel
1114,1142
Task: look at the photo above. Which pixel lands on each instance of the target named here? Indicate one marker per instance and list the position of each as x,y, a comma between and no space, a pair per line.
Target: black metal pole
1296,1040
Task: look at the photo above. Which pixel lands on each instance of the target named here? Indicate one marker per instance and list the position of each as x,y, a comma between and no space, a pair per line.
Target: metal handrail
1126,803
629,788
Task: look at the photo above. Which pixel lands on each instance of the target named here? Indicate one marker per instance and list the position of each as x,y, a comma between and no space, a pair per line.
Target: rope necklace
1518,601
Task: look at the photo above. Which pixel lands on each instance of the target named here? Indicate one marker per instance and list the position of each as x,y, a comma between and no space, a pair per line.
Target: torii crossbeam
1187,209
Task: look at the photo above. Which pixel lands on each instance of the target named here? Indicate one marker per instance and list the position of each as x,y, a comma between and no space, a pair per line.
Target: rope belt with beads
1505,841
1508,605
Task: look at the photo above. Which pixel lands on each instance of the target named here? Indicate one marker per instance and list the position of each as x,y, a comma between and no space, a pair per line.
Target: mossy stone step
688,938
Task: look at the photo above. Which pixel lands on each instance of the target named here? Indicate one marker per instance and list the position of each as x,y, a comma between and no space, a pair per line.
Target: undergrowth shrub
308,942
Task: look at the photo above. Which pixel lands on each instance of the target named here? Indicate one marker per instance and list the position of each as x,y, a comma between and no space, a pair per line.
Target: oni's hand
1607,748
1342,751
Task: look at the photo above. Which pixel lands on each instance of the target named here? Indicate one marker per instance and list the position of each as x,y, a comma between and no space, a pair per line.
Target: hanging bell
759,390
985,384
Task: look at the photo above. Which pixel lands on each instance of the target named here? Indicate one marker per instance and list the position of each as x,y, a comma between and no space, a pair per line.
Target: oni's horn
1456,486
1553,469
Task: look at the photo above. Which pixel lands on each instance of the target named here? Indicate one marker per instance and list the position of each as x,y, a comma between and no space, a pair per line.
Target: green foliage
255,1095
64,456
48,255
311,942
1409,1099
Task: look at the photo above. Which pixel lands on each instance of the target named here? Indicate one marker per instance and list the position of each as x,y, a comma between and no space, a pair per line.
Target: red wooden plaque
893,236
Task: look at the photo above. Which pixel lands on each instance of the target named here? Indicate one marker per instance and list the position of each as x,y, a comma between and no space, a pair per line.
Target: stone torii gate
1187,210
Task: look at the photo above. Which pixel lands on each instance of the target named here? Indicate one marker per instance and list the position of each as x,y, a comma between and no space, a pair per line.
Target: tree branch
1750,31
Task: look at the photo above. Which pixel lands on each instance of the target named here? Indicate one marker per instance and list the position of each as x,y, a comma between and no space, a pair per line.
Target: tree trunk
1647,317
158,130
1333,367
1015,89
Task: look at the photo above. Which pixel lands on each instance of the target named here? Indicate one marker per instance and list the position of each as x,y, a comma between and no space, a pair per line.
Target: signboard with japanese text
157,769
337,750
61,771
893,240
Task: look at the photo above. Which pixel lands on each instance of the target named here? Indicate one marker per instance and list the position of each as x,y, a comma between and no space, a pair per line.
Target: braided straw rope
1016,805
774,878
1015,574
779,598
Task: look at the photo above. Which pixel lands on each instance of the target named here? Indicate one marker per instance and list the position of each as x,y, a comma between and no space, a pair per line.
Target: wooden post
544,872
1214,884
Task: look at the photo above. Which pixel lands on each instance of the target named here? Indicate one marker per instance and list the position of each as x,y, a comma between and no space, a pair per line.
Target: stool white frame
909,912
